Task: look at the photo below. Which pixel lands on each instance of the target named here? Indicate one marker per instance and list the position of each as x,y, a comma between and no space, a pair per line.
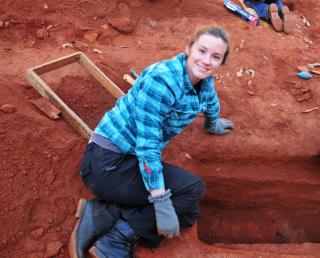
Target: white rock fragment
65,45
250,71
187,156
152,24
305,21
95,50
240,72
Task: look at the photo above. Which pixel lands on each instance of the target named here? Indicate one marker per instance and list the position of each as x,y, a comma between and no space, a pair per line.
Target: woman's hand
166,217
219,126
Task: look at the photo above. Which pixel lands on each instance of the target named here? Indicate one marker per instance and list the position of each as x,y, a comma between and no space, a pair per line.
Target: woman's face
204,57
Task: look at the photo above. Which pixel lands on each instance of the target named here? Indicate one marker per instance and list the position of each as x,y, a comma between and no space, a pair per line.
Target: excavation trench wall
275,208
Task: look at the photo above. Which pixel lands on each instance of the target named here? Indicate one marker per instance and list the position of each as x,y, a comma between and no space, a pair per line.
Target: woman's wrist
157,192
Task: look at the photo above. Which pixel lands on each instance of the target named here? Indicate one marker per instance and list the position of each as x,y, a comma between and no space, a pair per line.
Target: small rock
250,71
123,25
313,66
8,108
305,21
53,248
1,24
95,50
37,233
6,24
42,33
251,93
153,24
90,36
65,45
105,26
240,72
187,155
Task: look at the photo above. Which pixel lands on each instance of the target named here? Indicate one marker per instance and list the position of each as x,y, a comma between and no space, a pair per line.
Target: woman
143,198
269,10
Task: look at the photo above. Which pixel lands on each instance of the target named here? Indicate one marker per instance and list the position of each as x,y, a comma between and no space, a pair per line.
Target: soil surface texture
263,180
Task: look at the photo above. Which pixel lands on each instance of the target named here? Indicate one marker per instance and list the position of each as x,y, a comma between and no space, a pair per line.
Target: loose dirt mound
263,180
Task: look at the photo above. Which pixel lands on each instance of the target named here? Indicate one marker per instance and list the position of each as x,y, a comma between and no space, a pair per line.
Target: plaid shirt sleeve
212,111
154,102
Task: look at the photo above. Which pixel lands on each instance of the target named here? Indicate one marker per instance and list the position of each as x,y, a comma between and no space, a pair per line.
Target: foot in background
287,20
274,17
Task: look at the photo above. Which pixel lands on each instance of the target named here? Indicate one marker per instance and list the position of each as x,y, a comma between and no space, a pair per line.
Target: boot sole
275,18
73,240
287,21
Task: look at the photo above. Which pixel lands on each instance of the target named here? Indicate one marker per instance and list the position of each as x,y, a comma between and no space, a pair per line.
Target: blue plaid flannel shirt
161,103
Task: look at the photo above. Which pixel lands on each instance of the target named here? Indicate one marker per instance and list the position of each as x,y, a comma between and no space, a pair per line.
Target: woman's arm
154,102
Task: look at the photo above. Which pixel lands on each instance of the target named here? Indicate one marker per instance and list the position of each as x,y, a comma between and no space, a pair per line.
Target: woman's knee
199,188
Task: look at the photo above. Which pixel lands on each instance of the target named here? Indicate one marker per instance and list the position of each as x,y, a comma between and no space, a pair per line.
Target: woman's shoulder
168,67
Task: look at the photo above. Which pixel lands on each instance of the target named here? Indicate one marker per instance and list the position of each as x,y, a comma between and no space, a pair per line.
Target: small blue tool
304,75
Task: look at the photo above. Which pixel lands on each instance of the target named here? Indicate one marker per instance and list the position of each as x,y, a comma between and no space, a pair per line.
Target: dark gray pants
116,179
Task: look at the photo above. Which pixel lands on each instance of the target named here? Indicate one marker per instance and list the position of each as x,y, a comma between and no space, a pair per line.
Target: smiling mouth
202,69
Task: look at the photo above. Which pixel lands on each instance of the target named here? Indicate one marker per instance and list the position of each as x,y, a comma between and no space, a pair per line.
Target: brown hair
213,31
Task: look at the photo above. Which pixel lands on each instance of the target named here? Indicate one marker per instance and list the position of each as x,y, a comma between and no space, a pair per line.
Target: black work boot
119,243
94,219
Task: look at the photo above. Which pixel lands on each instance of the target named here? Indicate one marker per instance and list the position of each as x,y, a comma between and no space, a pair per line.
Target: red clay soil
263,180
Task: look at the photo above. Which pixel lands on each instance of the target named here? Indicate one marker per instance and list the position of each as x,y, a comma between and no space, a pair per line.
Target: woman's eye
202,51
217,58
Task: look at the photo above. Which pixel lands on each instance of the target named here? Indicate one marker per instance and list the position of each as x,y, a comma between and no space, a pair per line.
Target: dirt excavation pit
242,210
262,197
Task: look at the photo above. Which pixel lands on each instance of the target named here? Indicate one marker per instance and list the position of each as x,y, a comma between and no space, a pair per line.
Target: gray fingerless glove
219,126
166,217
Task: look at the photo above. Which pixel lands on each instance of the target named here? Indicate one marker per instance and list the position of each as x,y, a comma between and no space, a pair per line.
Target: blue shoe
83,235
119,243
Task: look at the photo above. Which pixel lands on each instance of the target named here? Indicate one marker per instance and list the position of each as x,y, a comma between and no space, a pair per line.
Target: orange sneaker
275,18
287,20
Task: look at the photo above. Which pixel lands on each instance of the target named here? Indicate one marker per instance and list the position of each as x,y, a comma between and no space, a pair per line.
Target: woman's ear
187,50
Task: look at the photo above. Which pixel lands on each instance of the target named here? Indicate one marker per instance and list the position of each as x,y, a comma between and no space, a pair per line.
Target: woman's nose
206,59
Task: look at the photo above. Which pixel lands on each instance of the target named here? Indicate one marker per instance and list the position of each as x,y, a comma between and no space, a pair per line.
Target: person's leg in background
260,7
267,12
277,2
